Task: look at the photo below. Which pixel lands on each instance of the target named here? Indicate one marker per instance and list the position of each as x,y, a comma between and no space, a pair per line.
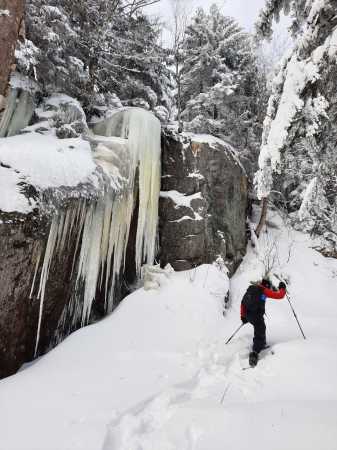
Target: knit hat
266,283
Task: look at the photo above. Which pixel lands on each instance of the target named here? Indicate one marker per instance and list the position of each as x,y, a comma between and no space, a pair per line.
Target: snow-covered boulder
203,202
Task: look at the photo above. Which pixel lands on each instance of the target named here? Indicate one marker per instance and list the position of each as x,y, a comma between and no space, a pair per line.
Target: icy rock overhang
129,146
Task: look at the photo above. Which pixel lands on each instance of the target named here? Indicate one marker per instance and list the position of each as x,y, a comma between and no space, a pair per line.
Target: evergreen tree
95,48
221,83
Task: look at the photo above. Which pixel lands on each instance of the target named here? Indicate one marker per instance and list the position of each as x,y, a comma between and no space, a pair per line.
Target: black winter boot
253,358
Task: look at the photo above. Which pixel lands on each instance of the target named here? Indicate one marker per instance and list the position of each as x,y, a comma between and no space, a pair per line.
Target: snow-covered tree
298,154
221,83
272,11
94,48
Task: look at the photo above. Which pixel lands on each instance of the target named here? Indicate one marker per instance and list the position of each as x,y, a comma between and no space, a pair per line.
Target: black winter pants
259,341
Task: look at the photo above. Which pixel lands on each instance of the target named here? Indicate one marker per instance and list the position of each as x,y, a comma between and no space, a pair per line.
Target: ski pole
235,333
291,306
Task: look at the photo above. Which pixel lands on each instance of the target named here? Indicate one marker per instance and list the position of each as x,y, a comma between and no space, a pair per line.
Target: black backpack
252,299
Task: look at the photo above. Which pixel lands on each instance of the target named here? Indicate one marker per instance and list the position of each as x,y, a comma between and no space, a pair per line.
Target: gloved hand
282,285
244,320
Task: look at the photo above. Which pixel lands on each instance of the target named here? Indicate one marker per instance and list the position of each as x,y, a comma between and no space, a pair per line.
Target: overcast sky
245,11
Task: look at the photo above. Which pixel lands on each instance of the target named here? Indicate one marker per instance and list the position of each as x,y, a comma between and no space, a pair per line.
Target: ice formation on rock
18,112
101,229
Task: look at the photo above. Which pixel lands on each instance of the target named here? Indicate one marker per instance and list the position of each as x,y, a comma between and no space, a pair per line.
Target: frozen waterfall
131,161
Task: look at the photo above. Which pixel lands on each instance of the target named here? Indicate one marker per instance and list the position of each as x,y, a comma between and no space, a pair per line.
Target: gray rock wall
204,201
18,314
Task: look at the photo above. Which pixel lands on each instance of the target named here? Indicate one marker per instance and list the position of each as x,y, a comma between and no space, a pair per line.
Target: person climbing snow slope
253,310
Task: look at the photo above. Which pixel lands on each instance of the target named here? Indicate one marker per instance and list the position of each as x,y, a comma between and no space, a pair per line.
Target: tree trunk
263,216
11,19
178,80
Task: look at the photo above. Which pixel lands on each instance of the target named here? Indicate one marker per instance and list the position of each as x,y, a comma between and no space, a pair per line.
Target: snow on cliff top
214,142
204,139
44,162
156,374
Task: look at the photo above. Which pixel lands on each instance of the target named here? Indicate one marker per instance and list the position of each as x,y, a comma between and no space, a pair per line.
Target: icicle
85,242
9,111
22,114
105,238
60,227
81,214
52,239
65,230
90,270
143,131
119,236
35,272
74,218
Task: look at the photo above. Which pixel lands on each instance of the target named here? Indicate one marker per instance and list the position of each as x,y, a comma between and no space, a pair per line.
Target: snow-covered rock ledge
37,170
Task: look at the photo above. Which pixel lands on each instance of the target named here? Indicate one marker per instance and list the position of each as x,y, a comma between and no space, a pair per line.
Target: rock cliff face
203,202
21,241
18,244
202,217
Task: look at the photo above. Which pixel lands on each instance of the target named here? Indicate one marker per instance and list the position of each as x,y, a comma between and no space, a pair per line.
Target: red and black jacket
265,293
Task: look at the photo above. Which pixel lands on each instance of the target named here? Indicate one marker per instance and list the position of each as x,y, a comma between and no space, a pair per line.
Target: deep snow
156,375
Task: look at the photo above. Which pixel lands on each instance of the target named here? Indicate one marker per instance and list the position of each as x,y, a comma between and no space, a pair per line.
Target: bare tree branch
133,6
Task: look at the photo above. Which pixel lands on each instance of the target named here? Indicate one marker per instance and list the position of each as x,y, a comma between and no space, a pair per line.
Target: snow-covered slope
156,375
